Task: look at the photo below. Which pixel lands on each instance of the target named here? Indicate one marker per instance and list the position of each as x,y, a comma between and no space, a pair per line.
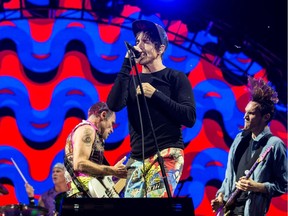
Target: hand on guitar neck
217,203
119,168
105,187
247,184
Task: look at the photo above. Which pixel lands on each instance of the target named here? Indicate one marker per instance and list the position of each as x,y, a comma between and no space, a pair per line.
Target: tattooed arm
83,139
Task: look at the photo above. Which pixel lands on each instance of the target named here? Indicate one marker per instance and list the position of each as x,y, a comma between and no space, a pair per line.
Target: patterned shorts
149,183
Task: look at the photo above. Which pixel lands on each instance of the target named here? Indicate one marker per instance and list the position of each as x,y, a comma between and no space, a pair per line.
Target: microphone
132,49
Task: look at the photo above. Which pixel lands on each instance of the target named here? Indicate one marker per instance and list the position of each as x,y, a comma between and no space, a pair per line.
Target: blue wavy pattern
96,47
78,93
62,101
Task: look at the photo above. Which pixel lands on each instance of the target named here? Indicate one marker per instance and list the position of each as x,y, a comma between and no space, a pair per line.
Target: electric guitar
222,210
105,187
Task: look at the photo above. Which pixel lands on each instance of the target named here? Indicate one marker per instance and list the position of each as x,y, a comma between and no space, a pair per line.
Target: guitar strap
82,188
246,162
262,142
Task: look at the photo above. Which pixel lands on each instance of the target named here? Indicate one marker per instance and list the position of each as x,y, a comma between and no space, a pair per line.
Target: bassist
84,151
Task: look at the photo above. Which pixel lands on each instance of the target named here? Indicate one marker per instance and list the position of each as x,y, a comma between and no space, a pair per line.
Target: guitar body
105,187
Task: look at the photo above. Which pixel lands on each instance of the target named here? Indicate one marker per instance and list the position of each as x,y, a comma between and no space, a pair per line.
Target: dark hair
266,107
97,108
264,95
151,37
154,32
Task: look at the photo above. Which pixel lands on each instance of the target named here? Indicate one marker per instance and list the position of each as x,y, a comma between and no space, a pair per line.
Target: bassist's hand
120,169
217,202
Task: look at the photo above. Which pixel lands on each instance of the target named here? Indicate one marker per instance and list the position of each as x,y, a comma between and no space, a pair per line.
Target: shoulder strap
82,188
104,159
262,143
265,139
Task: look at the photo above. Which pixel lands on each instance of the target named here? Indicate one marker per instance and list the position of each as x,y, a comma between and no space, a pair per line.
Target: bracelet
31,200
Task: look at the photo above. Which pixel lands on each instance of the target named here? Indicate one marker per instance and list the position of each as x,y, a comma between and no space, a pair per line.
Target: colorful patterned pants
149,183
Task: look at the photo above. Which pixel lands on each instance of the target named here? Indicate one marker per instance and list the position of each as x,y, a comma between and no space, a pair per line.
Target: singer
171,105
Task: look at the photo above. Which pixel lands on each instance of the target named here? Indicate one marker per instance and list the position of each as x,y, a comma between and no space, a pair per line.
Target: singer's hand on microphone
129,53
132,51
147,89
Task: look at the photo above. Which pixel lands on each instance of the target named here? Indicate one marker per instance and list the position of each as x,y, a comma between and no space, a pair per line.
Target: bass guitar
105,187
222,210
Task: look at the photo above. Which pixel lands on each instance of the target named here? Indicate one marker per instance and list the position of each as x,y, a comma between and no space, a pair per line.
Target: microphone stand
159,157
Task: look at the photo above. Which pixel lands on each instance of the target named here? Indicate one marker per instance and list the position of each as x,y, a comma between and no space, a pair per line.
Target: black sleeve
182,109
118,95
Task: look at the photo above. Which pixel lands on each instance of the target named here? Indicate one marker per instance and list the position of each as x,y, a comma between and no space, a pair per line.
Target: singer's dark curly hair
264,95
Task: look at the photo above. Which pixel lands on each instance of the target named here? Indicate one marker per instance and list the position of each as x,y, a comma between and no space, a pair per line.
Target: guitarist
84,151
269,179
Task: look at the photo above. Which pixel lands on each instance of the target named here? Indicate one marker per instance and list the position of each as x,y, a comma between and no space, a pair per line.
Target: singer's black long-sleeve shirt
171,106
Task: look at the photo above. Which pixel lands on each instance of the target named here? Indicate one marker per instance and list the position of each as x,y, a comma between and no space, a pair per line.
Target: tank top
96,156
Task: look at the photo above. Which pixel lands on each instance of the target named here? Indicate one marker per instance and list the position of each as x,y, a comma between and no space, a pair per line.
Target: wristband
31,200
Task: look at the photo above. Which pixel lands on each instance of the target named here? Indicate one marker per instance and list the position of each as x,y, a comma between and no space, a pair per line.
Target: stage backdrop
54,64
